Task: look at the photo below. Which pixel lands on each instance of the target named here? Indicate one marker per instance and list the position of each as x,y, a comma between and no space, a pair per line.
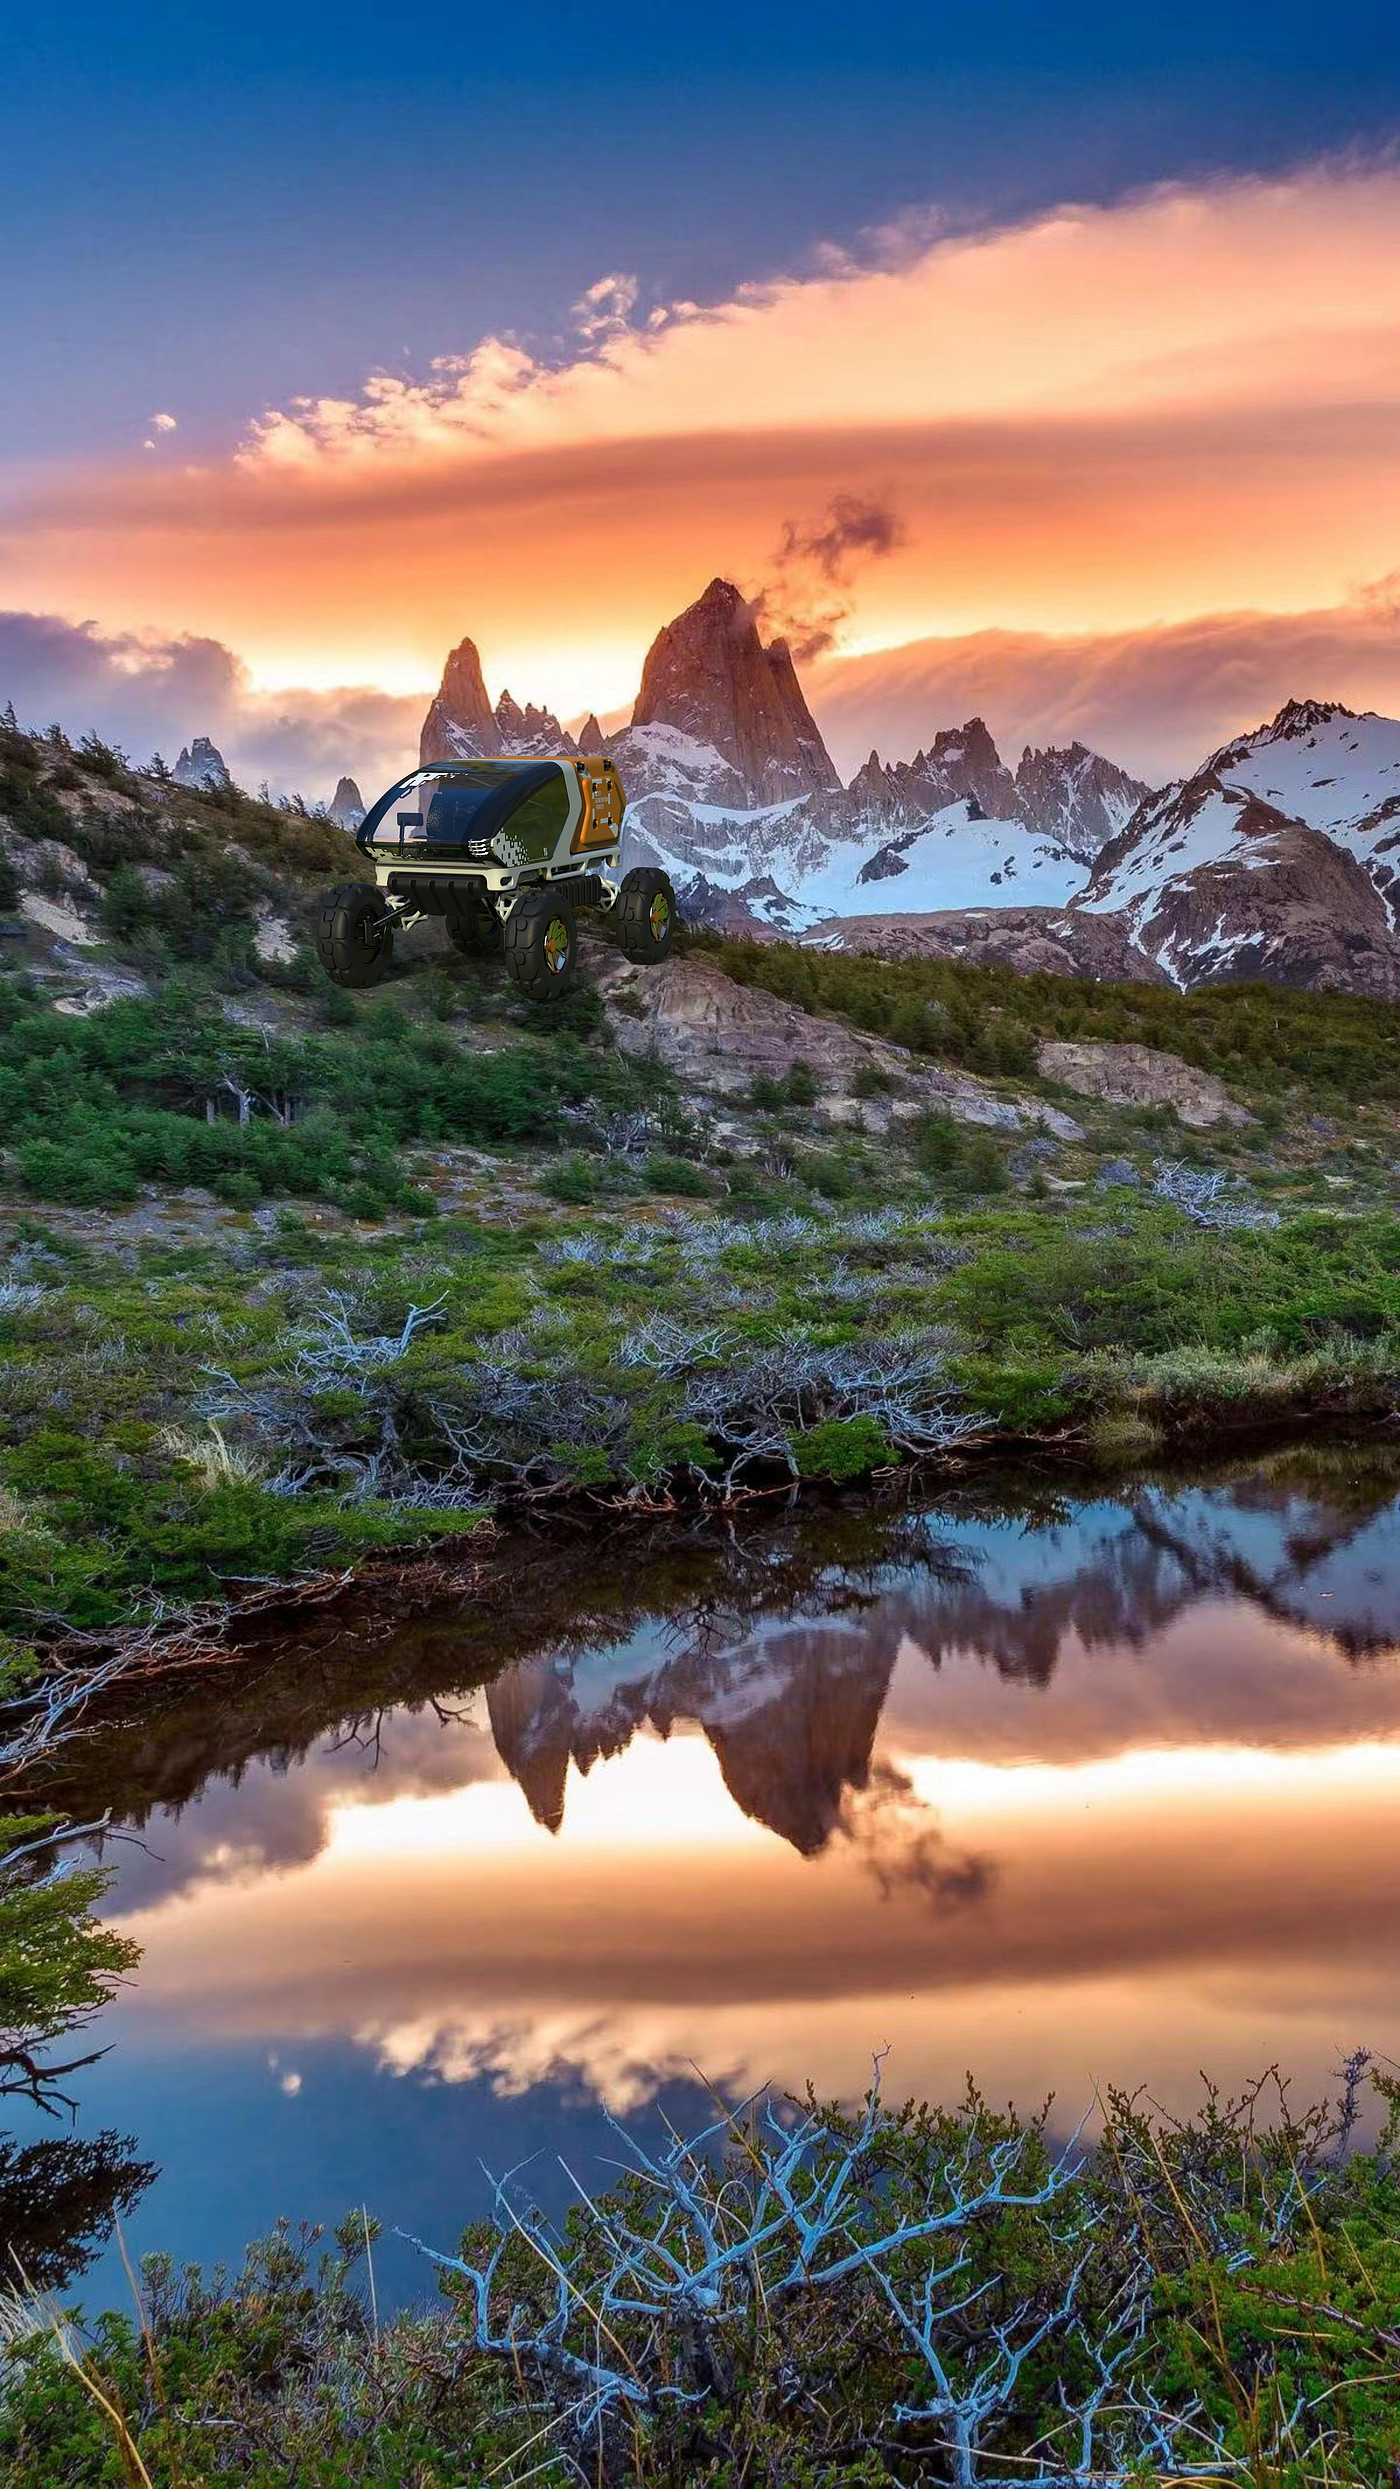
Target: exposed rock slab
1030,940
1141,1076
719,1037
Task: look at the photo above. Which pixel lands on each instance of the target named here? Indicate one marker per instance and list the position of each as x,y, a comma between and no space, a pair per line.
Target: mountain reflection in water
1066,1791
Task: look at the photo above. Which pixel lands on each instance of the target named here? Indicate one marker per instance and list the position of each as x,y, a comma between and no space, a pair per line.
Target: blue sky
224,207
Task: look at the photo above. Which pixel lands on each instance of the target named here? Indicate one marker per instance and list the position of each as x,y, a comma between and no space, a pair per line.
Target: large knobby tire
541,945
353,942
475,930
645,916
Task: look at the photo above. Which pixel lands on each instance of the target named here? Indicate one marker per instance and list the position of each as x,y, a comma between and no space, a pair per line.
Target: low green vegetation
289,1275
172,1092
1266,1039
179,1418
800,2299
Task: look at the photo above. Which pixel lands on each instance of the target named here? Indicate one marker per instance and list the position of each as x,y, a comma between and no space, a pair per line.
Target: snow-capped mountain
709,677
732,790
1075,797
1279,858
201,765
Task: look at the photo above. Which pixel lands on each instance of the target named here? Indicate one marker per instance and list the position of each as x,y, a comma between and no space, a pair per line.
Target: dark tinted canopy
461,801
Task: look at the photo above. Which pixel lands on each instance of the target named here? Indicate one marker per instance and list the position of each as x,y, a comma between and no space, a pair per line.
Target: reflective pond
1071,1790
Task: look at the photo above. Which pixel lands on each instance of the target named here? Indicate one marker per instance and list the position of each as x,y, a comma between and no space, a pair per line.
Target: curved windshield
458,808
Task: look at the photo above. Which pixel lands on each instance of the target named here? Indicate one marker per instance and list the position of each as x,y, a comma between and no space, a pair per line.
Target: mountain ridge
1278,857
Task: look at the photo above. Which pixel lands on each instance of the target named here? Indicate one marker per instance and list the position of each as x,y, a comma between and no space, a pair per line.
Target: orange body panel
600,822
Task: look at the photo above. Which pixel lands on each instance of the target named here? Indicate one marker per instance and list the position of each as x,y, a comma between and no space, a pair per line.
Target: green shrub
962,1159
993,1020
574,1179
337,1008
767,1094
937,1143
834,1178
578,1012
842,1447
126,904
239,1187
58,1964
678,1175
9,887
983,1168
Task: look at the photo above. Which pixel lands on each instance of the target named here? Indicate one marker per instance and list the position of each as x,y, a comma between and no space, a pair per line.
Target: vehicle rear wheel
645,915
541,945
474,929
353,942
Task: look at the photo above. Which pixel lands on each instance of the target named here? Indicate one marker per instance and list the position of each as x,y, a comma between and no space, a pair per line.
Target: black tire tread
476,932
524,945
344,959
632,916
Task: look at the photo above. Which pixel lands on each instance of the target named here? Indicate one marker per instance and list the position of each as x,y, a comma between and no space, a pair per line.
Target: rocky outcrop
720,1036
201,765
347,805
1076,797
709,678
1141,1076
1032,941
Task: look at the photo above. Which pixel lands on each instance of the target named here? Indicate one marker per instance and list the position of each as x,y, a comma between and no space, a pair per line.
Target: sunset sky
1041,360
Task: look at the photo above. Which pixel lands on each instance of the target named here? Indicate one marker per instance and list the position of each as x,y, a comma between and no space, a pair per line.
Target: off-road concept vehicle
506,852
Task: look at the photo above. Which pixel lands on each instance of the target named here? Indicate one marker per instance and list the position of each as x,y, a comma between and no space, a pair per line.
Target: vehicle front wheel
474,930
353,941
541,945
645,915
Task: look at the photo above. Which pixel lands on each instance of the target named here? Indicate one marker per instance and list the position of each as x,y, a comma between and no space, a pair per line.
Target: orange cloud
1106,419
1157,700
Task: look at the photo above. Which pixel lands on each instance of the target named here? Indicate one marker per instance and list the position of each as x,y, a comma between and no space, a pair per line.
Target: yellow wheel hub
556,946
660,916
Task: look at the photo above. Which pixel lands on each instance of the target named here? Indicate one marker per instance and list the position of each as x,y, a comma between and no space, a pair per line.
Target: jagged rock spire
460,725
709,676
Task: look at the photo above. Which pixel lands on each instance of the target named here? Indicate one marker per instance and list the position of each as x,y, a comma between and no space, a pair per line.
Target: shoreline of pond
88,1679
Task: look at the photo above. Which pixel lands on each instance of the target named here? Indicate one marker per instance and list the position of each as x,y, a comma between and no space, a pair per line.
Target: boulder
1140,1076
